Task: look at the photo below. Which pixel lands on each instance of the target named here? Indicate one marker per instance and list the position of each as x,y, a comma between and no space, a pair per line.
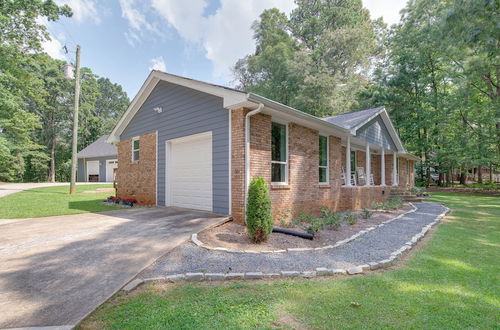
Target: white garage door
93,170
189,164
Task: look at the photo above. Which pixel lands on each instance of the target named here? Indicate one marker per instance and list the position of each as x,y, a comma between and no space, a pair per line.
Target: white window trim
284,183
137,138
327,160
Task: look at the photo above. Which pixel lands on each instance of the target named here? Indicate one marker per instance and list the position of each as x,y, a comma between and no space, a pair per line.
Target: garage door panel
191,173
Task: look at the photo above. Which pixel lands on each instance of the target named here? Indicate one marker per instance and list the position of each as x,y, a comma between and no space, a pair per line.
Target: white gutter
247,151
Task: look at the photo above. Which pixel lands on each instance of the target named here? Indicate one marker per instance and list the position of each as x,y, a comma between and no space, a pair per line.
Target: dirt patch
287,320
231,235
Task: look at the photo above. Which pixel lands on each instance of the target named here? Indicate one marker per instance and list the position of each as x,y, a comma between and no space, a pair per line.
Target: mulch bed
231,235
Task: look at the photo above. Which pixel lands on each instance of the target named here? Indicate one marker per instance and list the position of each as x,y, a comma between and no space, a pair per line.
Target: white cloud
158,63
82,10
388,9
226,35
137,22
229,35
54,48
135,18
185,16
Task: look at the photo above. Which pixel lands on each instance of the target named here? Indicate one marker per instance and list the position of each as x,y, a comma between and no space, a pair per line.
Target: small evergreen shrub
259,217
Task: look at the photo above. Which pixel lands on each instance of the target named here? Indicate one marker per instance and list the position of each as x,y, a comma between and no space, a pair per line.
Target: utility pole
75,122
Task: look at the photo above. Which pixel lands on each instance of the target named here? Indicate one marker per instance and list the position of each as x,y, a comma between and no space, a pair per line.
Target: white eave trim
230,97
317,123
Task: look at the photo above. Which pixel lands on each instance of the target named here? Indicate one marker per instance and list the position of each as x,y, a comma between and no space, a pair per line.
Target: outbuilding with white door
98,162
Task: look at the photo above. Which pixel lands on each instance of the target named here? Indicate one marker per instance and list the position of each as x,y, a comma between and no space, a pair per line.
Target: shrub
366,213
305,217
377,205
392,203
331,220
315,226
259,217
418,191
282,217
350,218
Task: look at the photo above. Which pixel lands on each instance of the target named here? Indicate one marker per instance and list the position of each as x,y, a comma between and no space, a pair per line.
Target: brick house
192,144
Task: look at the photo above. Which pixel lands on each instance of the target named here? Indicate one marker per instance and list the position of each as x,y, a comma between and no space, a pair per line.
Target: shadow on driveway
56,270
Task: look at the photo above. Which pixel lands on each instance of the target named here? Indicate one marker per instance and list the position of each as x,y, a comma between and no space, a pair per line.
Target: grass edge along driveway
51,201
452,282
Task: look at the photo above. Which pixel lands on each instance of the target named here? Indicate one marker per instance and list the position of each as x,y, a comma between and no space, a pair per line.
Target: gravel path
373,246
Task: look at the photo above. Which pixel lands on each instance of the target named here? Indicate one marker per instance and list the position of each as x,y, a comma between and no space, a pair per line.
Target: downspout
247,152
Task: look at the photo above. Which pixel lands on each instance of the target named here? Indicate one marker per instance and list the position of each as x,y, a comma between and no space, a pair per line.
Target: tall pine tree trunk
52,169
480,174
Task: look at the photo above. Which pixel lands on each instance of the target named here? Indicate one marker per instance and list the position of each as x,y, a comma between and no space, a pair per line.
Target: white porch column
382,166
348,162
394,169
368,165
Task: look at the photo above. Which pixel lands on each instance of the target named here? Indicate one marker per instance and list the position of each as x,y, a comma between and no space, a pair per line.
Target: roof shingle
98,148
350,120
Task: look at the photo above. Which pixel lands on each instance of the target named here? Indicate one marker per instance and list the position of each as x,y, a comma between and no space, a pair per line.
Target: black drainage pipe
293,233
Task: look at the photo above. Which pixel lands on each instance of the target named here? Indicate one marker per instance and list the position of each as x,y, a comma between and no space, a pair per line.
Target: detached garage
98,162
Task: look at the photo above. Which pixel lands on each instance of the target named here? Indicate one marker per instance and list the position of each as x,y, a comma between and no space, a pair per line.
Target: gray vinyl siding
186,112
81,171
376,132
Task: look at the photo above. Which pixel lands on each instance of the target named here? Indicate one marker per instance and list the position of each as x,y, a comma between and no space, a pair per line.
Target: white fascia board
230,97
297,116
390,127
392,131
410,156
133,107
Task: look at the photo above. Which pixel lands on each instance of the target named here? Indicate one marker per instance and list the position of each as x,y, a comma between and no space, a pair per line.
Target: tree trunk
491,172
479,174
52,170
462,176
441,179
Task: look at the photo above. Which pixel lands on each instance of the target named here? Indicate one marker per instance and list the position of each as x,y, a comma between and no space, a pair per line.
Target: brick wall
238,164
137,179
303,191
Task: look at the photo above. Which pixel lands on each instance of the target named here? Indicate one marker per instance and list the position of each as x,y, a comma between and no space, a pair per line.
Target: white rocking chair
343,177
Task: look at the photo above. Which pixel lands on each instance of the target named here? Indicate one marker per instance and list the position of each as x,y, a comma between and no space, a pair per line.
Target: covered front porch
365,164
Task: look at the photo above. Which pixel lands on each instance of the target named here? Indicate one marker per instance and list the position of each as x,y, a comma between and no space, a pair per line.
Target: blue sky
124,39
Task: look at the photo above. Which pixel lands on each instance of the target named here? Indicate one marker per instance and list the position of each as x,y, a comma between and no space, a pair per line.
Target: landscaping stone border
320,271
195,240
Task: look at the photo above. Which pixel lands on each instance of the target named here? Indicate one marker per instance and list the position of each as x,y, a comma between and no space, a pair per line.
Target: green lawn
47,201
453,282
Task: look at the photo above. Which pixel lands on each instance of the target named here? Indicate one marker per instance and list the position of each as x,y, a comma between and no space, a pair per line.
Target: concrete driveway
54,271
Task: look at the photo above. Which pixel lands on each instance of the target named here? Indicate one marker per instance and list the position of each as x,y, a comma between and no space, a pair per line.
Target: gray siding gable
186,112
377,133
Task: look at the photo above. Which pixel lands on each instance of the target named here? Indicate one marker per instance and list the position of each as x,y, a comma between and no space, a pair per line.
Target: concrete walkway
56,270
374,246
12,188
